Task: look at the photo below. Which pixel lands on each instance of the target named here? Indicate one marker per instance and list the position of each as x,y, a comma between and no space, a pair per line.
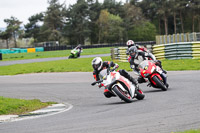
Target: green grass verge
49,54
20,106
190,131
186,64
84,65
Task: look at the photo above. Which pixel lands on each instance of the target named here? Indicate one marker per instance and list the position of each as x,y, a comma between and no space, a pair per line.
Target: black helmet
133,51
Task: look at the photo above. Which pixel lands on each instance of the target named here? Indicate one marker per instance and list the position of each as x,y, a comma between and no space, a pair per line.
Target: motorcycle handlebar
94,83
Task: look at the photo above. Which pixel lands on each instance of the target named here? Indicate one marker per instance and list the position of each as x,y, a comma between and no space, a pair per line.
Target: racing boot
164,77
141,79
108,94
128,76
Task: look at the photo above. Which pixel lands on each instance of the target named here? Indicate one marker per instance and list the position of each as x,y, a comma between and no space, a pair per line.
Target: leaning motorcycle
149,70
119,85
74,53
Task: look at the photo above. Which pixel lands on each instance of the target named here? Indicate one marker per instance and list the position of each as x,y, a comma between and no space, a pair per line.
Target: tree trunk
166,25
199,24
15,41
159,28
7,44
182,25
193,23
99,36
174,22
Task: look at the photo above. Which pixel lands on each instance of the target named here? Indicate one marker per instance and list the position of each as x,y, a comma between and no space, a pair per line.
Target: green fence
19,50
175,38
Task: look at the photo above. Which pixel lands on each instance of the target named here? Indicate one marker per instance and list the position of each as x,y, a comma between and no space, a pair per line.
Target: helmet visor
96,66
132,54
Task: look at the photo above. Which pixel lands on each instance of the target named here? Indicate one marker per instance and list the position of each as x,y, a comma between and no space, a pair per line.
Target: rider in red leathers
136,57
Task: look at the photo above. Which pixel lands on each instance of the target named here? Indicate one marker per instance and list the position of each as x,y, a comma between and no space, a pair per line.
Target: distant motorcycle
119,86
76,52
149,70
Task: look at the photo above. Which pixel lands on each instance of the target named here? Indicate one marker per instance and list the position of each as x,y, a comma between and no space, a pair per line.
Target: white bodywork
115,76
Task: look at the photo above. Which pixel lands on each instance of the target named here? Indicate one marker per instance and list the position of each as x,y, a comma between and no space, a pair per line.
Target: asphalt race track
6,63
177,109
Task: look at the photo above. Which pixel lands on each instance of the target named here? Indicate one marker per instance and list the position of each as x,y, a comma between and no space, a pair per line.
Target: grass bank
190,131
84,65
49,54
19,106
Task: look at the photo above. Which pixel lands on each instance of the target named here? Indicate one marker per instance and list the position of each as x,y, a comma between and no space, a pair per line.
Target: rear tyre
122,94
139,94
159,83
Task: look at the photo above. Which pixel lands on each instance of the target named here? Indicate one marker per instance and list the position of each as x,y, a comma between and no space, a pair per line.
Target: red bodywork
146,71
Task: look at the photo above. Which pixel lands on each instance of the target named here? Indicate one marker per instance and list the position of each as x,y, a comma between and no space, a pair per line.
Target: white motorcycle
119,85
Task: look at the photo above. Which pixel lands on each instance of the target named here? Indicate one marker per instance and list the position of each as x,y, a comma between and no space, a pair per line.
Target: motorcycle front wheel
70,57
159,83
124,95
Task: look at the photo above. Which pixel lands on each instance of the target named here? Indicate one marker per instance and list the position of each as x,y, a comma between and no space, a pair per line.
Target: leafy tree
5,35
143,32
174,8
77,23
94,12
110,27
33,27
182,10
194,7
113,7
53,22
13,27
103,25
132,16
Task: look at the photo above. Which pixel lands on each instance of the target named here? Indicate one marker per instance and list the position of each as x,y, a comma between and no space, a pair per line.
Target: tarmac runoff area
50,110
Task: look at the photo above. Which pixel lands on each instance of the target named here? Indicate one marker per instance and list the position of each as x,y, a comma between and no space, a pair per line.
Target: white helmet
97,63
130,43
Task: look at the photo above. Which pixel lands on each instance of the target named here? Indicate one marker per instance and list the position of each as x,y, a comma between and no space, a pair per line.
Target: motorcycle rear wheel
159,83
123,95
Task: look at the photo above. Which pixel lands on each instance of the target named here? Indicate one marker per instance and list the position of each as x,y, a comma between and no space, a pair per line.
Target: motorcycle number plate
158,70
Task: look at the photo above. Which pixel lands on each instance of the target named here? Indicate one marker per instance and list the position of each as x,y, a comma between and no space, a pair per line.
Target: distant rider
131,43
137,57
79,48
98,65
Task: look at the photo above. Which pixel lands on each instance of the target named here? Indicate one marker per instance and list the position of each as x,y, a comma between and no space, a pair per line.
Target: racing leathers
79,48
141,56
107,64
142,49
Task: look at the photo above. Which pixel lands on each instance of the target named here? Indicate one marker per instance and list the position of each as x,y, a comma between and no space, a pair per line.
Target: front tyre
159,83
139,95
124,95
70,57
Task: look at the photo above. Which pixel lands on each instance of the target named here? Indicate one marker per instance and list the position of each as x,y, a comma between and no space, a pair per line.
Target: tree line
92,22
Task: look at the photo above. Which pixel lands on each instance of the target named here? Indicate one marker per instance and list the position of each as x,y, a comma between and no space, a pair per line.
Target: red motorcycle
149,70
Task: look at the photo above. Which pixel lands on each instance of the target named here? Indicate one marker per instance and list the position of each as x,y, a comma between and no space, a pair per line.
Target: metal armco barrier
173,51
119,54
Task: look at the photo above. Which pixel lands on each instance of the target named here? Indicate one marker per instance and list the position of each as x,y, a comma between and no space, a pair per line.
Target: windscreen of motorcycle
143,64
103,74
